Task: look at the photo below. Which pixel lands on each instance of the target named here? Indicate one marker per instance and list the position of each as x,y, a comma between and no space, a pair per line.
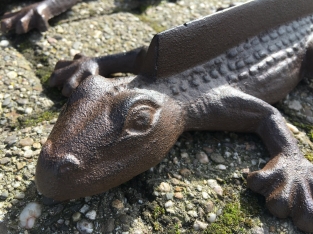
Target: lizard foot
33,16
69,74
287,185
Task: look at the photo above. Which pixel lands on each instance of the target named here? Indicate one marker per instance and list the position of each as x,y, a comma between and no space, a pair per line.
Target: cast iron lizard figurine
221,72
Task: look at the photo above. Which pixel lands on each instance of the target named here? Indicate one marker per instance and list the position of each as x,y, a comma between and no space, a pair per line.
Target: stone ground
199,187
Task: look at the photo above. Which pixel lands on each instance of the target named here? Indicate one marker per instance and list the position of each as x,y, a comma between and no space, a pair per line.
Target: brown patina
220,72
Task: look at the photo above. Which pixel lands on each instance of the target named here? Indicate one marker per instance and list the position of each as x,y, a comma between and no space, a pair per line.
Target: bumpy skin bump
193,77
34,16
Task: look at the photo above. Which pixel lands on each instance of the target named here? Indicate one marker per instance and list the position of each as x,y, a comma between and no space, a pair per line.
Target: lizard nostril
68,163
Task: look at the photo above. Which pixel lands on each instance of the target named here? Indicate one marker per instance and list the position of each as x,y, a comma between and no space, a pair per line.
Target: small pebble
219,212
37,145
168,204
202,157
295,105
192,213
26,142
205,195
184,155
198,225
293,128
19,195
91,215
117,204
177,176
170,210
43,140
189,206
221,167
216,187
165,187
29,214
84,209
84,227
175,161
4,43
179,195
254,162
19,165
178,189
76,216
16,184
28,110
28,153
10,140
211,217
4,160
217,158
60,221
12,75
208,206
87,199
169,196
4,194
185,172
6,102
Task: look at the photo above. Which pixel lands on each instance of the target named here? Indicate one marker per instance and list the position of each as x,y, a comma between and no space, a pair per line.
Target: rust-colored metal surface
221,72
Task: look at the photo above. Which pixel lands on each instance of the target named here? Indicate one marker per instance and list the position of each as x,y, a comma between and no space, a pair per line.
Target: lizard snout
54,171
68,163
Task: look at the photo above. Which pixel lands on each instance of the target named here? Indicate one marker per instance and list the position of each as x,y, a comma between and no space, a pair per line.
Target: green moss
237,215
230,220
156,226
44,72
158,211
309,157
25,46
37,118
175,230
153,24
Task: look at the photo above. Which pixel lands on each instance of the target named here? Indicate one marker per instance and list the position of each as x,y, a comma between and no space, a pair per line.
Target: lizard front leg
34,16
287,179
69,74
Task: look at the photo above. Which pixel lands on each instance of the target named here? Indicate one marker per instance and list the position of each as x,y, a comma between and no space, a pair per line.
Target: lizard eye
140,119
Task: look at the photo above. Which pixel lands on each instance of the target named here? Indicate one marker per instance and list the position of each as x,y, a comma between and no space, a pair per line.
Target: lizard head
105,135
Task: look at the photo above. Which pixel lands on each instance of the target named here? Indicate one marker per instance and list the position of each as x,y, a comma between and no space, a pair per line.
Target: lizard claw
30,17
288,188
69,74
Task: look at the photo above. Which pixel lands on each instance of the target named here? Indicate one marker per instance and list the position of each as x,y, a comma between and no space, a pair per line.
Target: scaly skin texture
193,77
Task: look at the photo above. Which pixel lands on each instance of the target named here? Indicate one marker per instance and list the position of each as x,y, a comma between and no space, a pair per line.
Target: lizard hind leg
286,181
